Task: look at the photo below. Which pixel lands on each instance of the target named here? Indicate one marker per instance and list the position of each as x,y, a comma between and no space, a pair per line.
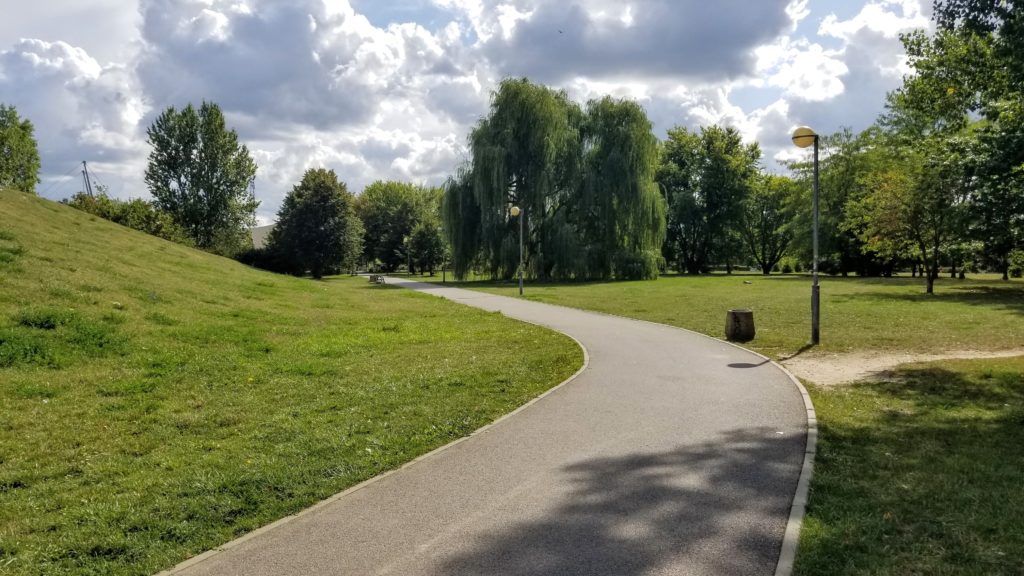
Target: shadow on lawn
713,508
919,476
1010,298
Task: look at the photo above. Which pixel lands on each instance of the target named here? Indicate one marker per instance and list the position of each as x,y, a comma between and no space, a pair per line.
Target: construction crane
85,178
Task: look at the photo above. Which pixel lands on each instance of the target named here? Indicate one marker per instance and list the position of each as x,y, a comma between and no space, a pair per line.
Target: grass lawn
857,313
156,401
921,476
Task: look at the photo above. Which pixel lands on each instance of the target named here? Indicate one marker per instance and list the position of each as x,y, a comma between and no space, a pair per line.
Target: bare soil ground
833,369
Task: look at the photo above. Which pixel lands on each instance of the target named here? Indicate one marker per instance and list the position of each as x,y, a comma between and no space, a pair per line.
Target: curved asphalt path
671,453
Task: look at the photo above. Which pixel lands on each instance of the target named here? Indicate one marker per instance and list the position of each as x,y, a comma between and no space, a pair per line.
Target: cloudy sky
390,89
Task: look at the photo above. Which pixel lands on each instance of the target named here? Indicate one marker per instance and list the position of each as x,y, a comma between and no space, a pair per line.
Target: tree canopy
426,246
200,174
317,228
966,92
19,153
582,178
706,178
767,220
390,210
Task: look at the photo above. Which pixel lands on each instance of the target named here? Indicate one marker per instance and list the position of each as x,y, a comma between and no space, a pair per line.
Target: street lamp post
804,137
515,211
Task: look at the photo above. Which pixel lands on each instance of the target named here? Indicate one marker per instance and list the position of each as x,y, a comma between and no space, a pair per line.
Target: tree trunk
952,270
932,270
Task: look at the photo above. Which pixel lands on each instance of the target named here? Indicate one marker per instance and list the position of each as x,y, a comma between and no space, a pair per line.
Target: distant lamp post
515,212
804,137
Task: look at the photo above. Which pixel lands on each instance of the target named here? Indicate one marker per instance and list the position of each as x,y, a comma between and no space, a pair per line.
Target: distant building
260,235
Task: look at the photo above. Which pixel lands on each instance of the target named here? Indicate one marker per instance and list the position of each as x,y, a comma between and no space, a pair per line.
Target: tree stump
739,325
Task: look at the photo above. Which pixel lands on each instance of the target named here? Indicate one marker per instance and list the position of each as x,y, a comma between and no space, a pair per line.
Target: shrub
136,214
1016,264
636,265
426,246
267,258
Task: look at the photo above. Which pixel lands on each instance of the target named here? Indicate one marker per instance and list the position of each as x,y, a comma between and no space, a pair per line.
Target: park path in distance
672,453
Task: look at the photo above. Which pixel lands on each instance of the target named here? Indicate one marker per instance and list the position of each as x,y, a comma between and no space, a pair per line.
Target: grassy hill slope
156,401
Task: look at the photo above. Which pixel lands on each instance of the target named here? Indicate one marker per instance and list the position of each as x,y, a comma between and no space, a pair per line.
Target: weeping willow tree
621,210
523,154
582,179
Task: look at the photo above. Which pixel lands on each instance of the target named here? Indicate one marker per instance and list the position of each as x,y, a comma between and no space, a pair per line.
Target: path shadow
802,349
748,364
713,508
936,389
928,470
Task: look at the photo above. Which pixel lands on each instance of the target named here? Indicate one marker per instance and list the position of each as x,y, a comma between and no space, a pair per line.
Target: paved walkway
671,453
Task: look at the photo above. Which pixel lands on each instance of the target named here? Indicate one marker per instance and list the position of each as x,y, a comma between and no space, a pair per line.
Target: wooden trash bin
739,325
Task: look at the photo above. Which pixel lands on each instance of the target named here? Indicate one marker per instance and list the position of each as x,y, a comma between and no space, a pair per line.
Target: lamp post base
815,309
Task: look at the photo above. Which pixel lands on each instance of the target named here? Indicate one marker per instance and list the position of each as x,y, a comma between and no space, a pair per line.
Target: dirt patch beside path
832,369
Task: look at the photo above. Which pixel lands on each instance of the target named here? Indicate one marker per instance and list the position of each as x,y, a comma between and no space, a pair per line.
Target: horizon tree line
937,182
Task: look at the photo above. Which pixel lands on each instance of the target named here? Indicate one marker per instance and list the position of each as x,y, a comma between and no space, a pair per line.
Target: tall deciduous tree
974,63
524,153
767,218
706,178
620,211
389,211
19,154
919,197
200,174
426,246
997,205
317,228
844,159
582,179
461,215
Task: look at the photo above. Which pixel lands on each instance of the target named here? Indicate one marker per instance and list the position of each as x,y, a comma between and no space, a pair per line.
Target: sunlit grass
156,401
980,313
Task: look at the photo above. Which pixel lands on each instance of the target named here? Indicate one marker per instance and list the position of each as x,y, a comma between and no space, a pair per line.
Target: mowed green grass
157,401
921,476
981,313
